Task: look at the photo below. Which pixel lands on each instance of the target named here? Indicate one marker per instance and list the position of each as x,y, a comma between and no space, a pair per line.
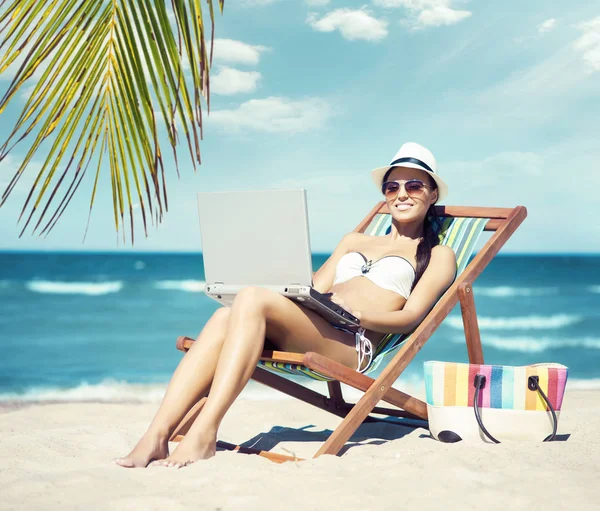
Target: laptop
261,238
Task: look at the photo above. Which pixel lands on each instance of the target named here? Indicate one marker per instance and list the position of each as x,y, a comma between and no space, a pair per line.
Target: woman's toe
123,462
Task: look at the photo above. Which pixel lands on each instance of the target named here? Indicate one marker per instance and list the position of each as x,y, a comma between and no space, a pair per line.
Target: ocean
102,327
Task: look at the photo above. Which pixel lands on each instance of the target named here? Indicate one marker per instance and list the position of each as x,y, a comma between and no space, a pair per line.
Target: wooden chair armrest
184,343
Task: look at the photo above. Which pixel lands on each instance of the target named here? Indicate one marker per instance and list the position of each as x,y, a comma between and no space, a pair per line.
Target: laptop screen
255,237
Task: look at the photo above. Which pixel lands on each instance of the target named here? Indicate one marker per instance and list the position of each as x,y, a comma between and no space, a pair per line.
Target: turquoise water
103,326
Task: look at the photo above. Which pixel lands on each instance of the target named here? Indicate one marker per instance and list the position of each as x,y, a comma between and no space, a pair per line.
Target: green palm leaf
109,72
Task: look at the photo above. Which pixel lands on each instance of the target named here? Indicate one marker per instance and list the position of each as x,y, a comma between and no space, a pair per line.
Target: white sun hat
414,156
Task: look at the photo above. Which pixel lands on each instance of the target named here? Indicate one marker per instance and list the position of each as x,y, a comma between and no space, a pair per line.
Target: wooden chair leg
298,391
271,456
335,393
380,389
469,315
185,425
359,381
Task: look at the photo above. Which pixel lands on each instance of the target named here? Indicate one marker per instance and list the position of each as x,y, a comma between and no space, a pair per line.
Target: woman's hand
337,299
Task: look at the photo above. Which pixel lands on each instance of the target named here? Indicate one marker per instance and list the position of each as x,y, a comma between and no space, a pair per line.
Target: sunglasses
413,188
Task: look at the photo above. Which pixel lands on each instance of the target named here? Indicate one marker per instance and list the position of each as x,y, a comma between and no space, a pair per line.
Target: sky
315,94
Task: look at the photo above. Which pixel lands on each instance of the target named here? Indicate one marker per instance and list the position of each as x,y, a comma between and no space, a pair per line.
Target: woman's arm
323,279
438,276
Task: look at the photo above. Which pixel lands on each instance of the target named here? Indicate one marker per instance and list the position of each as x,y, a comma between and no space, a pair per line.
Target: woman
407,261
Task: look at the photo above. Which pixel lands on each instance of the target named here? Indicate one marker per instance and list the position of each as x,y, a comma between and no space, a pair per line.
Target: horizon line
191,252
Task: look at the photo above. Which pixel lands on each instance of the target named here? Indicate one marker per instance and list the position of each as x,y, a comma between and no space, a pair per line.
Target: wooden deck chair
460,229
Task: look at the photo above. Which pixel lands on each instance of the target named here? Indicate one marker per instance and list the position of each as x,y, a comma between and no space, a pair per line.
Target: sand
57,456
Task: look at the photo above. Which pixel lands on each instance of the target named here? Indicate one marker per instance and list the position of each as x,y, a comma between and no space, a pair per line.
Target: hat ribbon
412,160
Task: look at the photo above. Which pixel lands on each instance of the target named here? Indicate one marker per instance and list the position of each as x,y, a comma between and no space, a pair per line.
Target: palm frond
106,73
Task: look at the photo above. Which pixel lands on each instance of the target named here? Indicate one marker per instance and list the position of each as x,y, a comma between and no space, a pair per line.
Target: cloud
275,115
441,15
523,177
9,166
237,52
413,5
589,44
427,13
317,3
258,3
547,26
410,4
538,181
497,172
524,97
352,24
228,81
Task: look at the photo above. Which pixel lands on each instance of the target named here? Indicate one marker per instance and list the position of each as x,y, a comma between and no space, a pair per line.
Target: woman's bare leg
189,383
255,313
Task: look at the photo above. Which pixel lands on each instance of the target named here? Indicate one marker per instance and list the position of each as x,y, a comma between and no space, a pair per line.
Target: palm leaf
105,73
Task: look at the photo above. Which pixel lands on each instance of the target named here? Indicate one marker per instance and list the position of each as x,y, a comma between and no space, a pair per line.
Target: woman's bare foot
149,448
187,452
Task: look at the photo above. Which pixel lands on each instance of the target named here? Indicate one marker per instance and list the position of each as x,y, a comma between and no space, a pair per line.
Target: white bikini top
389,272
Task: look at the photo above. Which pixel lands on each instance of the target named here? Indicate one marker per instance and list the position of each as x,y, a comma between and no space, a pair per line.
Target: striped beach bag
493,403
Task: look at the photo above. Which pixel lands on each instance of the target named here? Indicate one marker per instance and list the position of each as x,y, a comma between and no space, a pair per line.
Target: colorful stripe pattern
450,384
461,234
292,369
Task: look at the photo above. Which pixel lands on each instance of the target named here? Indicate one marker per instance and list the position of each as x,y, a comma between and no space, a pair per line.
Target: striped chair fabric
459,233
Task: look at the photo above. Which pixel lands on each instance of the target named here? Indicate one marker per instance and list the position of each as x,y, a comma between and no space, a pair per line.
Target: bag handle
533,383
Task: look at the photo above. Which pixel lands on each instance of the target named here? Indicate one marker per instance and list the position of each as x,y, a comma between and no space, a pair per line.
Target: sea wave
583,384
190,286
4,284
519,322
113,391
74,288
106,391
526,344
509,291
594,289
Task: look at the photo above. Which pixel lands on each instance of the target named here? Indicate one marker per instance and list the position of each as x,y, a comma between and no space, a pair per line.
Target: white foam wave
106,391
113,391
580,384
525,344
74,288
508,291
191,286
594,289
519,322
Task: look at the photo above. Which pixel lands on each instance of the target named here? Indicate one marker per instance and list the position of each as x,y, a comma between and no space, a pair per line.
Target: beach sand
58,456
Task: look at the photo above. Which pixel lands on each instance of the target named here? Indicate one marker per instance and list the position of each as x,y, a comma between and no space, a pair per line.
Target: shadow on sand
374,432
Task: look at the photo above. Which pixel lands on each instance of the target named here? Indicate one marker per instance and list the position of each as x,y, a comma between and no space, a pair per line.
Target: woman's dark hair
431,228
